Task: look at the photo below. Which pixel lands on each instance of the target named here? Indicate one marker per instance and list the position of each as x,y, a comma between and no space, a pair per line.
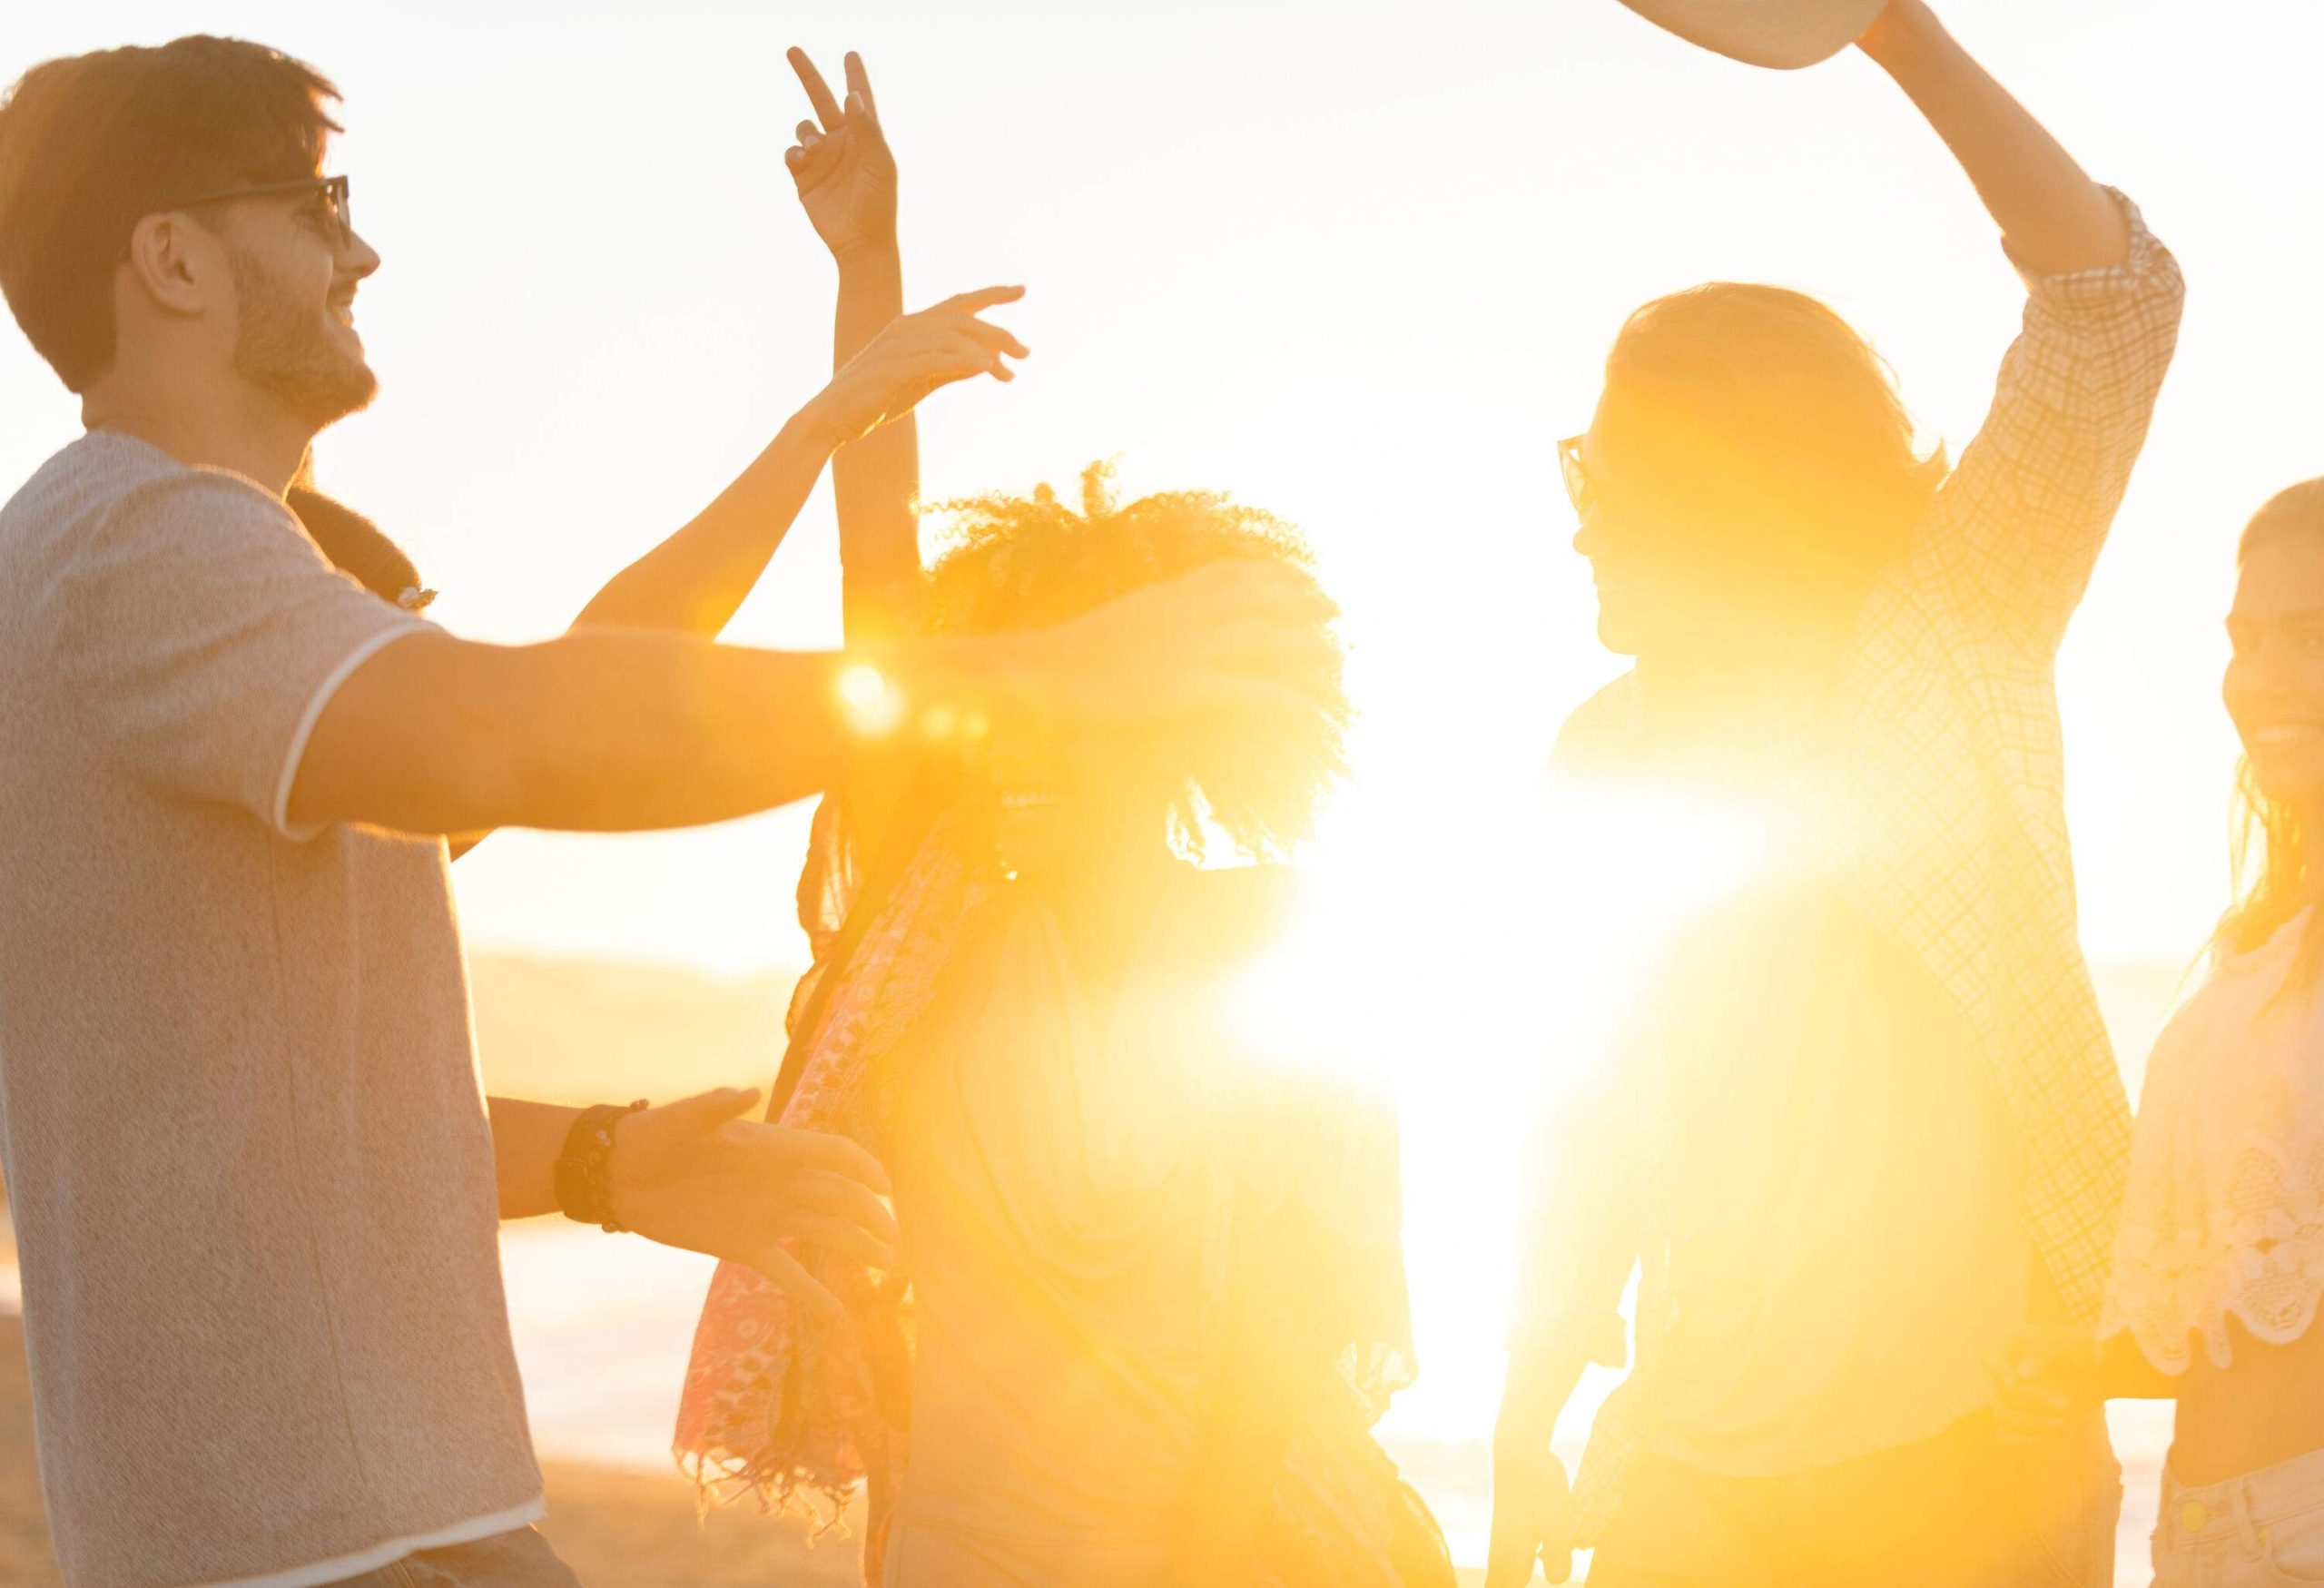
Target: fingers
842,1240
859,86
819,93
998,338
801,1286
956,352
1212,640
792,1150
977,301
826,1196
960,311
813,157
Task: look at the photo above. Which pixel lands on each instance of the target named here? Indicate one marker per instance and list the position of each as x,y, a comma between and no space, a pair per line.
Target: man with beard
255,1185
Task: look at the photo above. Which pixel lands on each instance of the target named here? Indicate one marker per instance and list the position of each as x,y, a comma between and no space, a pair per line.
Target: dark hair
1025,562
2270,857
91,145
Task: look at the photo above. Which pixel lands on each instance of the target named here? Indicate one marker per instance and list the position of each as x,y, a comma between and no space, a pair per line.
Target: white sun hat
1784,33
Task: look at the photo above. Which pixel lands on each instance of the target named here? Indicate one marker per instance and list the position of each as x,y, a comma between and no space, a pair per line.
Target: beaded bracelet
585,1181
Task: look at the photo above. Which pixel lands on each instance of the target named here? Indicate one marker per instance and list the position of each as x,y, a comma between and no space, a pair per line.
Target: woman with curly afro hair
1151,1297
1155,1295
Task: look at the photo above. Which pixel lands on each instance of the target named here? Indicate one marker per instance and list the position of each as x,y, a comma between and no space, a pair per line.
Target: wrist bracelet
585,1184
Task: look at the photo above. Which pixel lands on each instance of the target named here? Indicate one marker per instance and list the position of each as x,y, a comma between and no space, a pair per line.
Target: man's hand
2040,1378
846,174
696,1174
1223,637
914,355
1531,1514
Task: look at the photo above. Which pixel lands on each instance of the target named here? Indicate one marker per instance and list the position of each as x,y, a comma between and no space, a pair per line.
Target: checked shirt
1943,822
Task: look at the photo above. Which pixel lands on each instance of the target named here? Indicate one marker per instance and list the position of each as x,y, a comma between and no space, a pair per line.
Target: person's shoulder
82,476
96,467
1604,733
107,481
69,498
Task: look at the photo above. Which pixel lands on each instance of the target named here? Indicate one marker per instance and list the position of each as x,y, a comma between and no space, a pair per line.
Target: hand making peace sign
846,176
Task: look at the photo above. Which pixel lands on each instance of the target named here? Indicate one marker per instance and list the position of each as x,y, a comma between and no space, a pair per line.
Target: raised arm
2054,219
883,363
2020,524
846,177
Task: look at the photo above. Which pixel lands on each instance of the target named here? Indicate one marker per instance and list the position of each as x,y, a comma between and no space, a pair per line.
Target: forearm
527,1138
875,480
2056,218
619,731
695,581
607,730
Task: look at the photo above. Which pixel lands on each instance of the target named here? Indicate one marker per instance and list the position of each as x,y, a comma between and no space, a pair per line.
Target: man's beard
285,349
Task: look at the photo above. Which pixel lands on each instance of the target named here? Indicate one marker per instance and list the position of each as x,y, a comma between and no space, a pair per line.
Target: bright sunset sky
1357,263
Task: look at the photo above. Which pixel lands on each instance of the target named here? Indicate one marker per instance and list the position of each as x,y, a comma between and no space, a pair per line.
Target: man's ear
177,266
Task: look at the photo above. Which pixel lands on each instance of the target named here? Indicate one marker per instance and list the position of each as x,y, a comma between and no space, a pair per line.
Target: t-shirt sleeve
201,634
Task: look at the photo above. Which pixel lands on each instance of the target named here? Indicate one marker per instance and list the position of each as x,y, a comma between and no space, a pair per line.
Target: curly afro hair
1011,562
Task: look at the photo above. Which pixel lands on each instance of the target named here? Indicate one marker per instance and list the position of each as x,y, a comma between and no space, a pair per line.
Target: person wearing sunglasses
1866,1123
255,1187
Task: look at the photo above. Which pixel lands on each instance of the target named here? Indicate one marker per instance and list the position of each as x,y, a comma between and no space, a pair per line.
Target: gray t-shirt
249,1162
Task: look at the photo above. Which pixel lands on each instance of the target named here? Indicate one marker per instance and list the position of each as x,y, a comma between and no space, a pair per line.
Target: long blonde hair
2269,848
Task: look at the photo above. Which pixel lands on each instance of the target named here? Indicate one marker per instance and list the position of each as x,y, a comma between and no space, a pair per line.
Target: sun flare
1477,988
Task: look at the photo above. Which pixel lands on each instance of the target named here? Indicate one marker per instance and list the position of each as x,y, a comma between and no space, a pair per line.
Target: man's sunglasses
1580,488
329,190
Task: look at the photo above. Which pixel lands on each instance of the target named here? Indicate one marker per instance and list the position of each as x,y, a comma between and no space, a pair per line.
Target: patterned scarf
777,1403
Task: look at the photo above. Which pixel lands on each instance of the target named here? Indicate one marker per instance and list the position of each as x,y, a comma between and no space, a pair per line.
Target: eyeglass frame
334,188
1580,489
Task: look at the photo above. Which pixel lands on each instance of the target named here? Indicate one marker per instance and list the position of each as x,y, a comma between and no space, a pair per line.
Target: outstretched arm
2019,525
2056,218
619,730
